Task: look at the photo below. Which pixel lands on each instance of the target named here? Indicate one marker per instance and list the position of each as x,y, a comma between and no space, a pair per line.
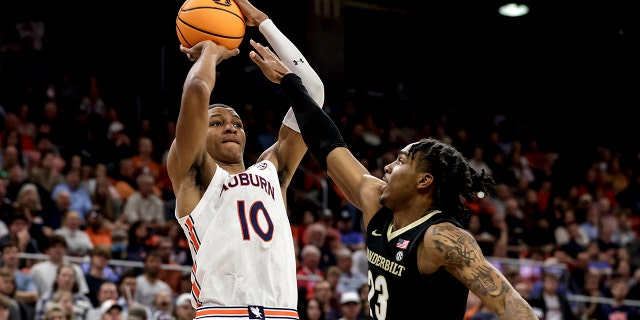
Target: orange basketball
220,21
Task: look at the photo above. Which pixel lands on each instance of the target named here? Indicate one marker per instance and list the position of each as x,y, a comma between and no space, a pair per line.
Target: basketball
220,21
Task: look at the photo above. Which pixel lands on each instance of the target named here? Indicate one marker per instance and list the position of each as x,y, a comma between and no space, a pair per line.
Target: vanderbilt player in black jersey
422,263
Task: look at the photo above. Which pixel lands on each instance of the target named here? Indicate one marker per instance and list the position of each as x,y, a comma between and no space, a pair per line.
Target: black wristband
319,132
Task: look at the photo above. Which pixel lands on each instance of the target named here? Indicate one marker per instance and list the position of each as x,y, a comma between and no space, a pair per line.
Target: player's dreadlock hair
454,180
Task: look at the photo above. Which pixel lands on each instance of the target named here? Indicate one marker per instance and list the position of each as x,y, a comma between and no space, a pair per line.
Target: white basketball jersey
241,242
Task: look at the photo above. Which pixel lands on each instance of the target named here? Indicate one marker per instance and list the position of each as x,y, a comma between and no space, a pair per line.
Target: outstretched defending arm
297,63
319,132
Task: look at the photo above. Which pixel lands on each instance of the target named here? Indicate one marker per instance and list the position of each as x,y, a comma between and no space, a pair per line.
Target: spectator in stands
171,277
552,304
323,237
55,311
17,178
103,192
312,310
180,252
119,242
350,306
65,299
78,242
137,313
26,125
606,229
110,310
477,161
127,288
80,198
5,306
332,275
52,217
348,281
11,135
144,161
28,203
624,234
11,156
350,237
54,124
618,309
145,205
363,291
309,272
18,225
183,309
162,308
6,204
108,290
44,173
329,305
26,290
104,200
121,148
28,200
124,180
98,271
8,289
65,280
99,229
148,284
91,101
41,272
139,241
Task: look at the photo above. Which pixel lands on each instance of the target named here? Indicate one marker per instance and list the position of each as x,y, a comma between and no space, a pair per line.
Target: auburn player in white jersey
236,218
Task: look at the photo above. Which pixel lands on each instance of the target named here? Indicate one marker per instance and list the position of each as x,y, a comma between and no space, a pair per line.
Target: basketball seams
214,8
205,31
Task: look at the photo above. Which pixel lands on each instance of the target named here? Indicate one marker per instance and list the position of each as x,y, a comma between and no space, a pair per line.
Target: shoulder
447,231
450,244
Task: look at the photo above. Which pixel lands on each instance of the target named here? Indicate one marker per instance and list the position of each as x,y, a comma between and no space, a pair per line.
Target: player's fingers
264,51
256,58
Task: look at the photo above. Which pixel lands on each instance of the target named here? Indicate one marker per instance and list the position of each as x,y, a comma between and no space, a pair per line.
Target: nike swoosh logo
375,233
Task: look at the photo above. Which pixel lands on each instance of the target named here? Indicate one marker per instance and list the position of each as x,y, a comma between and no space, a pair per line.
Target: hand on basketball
268,62
253,16
194,52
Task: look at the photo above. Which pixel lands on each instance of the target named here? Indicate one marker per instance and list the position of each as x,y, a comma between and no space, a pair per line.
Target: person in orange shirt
144,161
125,180
99,229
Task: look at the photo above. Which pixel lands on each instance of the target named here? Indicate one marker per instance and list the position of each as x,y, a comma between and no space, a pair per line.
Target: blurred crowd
80,177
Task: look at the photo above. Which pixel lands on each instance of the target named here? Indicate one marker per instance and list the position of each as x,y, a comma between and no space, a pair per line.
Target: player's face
226,138
401,178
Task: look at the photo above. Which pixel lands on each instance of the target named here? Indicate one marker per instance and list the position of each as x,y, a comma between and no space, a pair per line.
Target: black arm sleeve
319,132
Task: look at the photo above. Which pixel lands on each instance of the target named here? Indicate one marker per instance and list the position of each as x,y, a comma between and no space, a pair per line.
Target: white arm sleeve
297,63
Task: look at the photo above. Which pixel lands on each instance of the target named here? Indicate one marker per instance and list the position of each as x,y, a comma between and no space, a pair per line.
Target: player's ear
425,180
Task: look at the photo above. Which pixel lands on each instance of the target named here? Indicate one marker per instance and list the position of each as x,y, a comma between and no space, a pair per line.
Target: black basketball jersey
397,290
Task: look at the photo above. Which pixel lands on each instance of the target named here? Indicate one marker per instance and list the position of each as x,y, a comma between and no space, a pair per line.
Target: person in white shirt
148,284
144,204
43,272
477,161
78,242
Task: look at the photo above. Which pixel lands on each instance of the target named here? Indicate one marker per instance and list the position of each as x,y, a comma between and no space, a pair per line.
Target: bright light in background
513,10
